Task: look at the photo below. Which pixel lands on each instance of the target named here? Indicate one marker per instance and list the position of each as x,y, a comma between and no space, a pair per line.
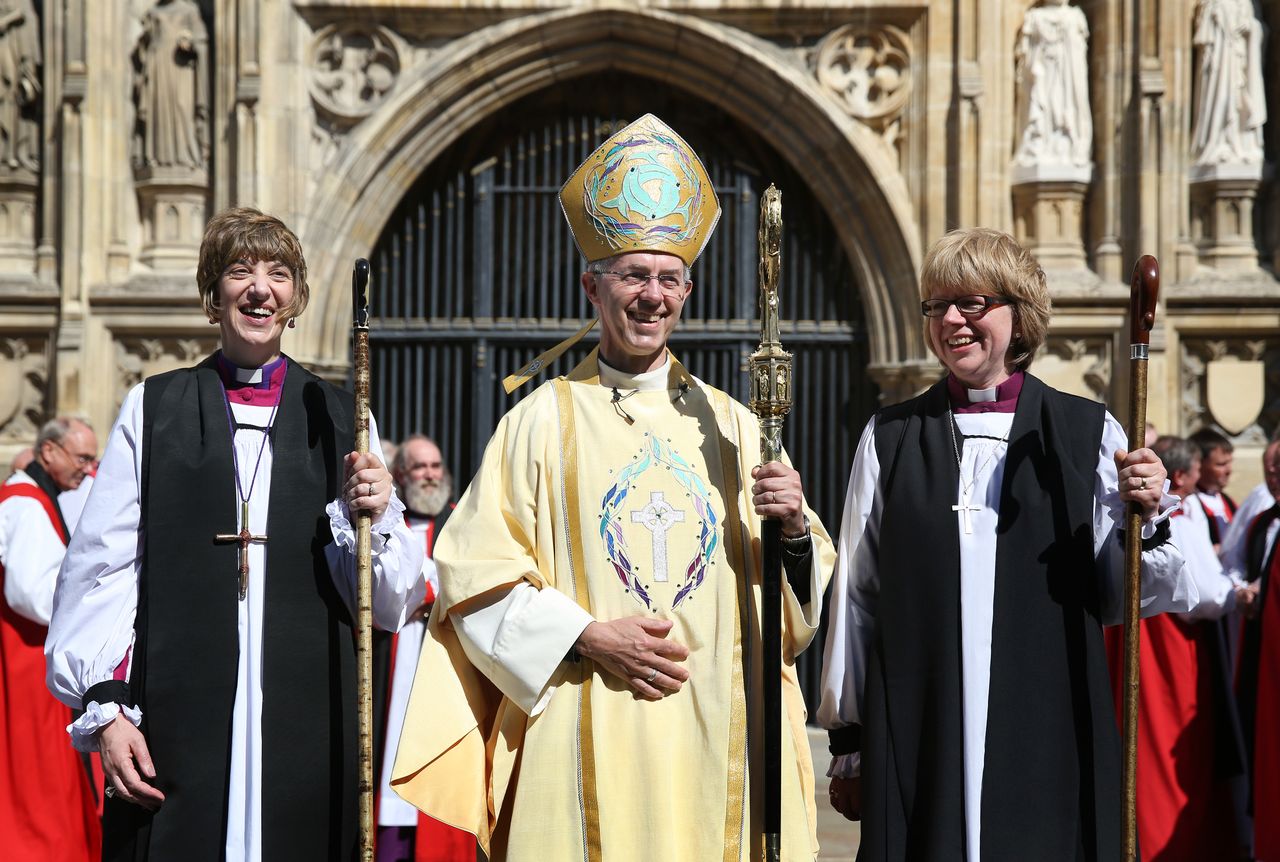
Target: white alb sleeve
1164,583
96,600
519,638
855,592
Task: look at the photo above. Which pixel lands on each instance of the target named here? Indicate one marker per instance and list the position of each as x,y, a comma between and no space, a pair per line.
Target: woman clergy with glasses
203,616
965,681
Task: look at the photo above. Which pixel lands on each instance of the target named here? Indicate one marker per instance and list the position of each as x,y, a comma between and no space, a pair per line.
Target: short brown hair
982,260
244,233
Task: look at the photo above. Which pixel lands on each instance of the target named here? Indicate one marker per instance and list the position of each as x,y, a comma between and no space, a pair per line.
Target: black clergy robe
186,648
1051,785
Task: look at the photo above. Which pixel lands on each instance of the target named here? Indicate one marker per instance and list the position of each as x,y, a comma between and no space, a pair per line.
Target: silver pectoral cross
658,517
244,537
964,507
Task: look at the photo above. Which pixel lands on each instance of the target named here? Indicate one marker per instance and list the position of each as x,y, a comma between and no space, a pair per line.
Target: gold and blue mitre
644,189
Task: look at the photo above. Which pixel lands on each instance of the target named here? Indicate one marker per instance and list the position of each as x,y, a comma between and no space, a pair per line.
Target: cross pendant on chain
244,537
964,507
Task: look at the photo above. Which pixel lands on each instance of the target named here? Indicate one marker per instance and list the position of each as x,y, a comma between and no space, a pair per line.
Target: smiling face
975,349
635,322
253,298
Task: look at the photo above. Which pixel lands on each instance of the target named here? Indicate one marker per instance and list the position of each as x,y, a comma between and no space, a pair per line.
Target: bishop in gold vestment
620,498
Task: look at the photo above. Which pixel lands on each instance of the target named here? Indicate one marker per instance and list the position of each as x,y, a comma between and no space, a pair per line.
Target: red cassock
47,808
1266,751
1184,814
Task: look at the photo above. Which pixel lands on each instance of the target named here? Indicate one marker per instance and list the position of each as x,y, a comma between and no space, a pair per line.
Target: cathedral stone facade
1096,131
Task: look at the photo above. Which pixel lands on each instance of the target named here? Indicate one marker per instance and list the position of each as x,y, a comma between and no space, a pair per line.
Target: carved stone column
901,381
18,189
1222,199
1047,208
172,204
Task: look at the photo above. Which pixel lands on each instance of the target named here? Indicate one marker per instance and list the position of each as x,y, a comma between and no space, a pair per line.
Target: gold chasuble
650,517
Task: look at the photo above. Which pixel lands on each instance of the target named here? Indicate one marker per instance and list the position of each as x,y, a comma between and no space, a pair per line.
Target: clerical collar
258,387
614,379
998,399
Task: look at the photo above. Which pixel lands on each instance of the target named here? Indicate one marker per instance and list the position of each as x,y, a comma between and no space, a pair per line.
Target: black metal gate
477,273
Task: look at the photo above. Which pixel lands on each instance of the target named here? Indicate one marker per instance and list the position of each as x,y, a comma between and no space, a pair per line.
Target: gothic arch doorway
477,273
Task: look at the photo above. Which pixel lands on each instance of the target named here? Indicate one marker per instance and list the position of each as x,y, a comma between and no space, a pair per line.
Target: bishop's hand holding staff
218,677
965,682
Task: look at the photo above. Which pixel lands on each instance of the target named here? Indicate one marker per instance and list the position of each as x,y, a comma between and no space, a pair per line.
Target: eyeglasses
968,306
81,460
666,281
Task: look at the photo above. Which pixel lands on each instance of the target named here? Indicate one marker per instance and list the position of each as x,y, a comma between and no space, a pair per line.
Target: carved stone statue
171,88
1055,124
19,86
1230,104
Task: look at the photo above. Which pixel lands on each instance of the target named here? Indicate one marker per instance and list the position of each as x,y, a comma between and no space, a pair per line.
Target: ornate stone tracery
24,379
353,69
867,70
139,357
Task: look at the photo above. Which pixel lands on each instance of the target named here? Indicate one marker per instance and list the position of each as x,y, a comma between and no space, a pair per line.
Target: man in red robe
1216,458
1184,807
405,834
48,811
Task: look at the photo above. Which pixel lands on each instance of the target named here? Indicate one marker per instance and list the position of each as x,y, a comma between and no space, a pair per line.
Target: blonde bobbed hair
985,261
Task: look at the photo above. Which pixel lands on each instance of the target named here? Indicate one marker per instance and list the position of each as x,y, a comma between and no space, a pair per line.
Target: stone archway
852,174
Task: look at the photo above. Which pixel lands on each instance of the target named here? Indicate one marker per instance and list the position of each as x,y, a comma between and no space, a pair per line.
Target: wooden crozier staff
1143,288
770,400
364,562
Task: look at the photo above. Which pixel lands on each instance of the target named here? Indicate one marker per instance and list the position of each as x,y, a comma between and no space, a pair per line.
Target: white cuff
344,534
84,730
1119,510
845,766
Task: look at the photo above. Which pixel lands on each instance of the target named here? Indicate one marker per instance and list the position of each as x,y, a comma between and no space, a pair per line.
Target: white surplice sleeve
519,638
399,567
31,551
854,599
96,599
1190,530
1234,548
1165,583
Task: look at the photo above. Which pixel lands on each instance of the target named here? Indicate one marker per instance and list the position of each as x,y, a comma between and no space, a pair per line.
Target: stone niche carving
354,67
24,379
1080,365
1052,163
1230,104
868,71
1229,110
20,67
140,356
1233,385
171,133
1055,124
